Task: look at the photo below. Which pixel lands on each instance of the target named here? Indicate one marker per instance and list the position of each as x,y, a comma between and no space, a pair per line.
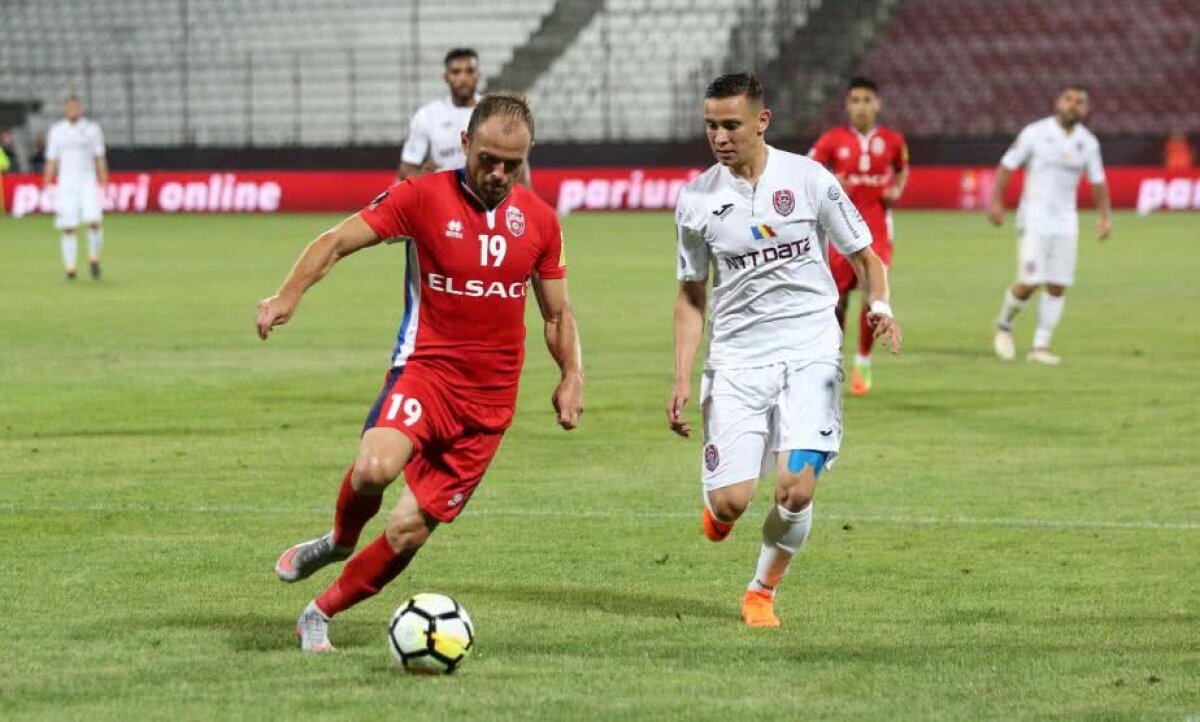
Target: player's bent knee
376,471
798,480
729,503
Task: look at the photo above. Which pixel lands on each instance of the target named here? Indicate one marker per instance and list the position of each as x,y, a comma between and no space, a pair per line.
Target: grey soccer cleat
312,629
302,560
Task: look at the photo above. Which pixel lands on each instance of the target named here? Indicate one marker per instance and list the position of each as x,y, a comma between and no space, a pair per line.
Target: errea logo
454,229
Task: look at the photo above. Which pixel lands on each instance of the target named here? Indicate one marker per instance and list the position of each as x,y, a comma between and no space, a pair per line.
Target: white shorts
752,414
1046,258
76,203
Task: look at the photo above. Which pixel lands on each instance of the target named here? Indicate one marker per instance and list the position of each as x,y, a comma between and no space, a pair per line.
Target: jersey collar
742,186
461,174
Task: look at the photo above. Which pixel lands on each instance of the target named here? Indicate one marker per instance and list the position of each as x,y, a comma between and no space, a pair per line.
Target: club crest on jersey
877,146
515,220
785,202
843,152
454,229
711,458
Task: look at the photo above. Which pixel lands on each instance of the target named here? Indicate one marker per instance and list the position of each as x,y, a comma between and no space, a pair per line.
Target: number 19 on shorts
410,407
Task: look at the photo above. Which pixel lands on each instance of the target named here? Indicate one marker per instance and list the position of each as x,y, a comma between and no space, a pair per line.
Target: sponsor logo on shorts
784,201
455,500
827,432
711,458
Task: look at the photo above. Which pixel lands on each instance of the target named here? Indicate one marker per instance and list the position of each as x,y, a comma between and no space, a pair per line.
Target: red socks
354,510
866,334
363,576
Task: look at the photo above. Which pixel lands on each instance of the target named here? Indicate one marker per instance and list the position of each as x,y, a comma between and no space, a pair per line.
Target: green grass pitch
997,541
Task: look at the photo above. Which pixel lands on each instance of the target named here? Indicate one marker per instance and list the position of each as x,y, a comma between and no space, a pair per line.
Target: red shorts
454,438
843,272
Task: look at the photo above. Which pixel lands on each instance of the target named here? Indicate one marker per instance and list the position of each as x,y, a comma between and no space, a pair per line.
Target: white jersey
436,133
773,295
75,146
1053,159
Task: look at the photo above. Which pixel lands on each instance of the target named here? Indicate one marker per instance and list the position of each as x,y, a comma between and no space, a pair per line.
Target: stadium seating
969,68
261,72
638,70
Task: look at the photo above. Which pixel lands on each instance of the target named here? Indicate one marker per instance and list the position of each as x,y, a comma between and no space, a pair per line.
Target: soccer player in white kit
758,223
435,133
75,156
1055,151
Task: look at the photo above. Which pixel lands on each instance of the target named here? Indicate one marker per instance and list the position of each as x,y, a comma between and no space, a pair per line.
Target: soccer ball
430,634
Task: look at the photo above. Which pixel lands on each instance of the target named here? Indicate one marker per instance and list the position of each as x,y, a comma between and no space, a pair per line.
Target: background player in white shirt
761,219
1055,151
435,133
75,156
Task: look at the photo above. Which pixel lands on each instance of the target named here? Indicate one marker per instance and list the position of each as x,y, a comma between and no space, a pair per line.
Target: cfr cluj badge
785,202
515,220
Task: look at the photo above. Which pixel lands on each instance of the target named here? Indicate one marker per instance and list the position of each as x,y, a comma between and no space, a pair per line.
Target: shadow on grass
602,599
257,632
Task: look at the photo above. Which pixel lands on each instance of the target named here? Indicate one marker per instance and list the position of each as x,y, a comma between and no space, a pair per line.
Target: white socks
70,249
1050,310
95,243
1012,306
783,535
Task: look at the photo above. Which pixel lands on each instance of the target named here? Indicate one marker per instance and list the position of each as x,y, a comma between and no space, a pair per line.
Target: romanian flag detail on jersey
762,231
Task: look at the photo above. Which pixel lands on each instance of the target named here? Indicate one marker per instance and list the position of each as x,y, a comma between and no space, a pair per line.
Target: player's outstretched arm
995,211
352,234
1103,209
873,276
102,171
562,340
689,329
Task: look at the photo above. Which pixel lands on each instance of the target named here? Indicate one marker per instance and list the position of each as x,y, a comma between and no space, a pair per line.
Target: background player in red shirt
872,164
475,243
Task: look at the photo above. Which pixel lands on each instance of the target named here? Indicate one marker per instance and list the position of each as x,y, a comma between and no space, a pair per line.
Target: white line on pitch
116,508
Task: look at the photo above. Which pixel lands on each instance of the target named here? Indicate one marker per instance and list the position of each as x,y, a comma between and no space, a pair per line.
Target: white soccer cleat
1043,356
1002,342
312,629
302,560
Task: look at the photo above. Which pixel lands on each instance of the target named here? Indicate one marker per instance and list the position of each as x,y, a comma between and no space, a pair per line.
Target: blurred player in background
771,393
474,243
75,157
435,133
1055,152
871,162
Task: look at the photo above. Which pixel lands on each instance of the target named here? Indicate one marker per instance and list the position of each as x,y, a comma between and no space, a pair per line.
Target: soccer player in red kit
871,162
475,243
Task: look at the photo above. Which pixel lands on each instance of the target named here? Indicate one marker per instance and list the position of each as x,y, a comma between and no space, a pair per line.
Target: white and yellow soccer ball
431,634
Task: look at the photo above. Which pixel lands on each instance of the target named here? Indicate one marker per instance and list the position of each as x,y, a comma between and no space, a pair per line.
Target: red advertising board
570,190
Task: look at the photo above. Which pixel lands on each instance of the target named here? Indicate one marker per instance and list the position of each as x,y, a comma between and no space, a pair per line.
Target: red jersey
866,165
467,279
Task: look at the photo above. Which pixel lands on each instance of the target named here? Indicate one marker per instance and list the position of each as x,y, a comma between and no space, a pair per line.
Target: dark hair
858,81
505,105
1073,86
460,54
732,85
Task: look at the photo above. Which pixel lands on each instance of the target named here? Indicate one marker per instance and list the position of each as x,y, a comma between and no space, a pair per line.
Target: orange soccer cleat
713,529
860,380
758,609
